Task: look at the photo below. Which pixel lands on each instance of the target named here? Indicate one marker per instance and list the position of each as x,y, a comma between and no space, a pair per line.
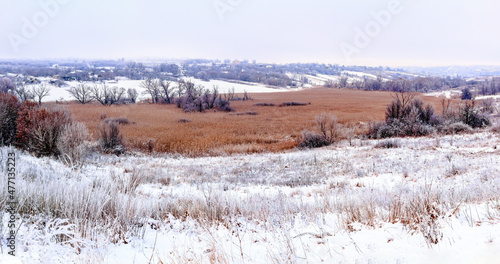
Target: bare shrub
329,84
149,145
349,133
9,106
488,106
39,129
313,140
374,128
198,99
246,113
110,138
264,104
22,92
406,116
293,104
329,127
455,128
72,143
246,96
223,105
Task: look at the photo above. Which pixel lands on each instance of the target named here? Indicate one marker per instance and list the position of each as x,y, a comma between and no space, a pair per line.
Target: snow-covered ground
360,74
457,93
62,94
433,200
484,97
445,93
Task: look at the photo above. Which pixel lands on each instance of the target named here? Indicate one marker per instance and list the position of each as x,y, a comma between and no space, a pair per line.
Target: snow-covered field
445,93
432,200
62,94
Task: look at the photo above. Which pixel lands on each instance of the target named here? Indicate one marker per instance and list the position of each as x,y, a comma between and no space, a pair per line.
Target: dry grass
273,129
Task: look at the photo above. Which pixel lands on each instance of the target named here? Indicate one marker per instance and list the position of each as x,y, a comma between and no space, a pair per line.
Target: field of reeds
269,122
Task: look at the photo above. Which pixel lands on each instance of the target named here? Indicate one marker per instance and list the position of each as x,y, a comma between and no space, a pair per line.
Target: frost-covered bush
313,140
73,143
455,128
407,116
329,127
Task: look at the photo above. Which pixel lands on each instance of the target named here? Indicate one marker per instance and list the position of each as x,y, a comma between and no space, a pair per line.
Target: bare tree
358,84
115,95
180,88
132,95
82,93
22,92
39,92
6,85
446,107
329,83
229,96
167,91
211,98
105,95
152,89
396,109
404,97
100,93
343,81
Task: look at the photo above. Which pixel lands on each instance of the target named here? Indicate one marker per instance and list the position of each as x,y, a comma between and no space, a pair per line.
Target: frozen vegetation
415,200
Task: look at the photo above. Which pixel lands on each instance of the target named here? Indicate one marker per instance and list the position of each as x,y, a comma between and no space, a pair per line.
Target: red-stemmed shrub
39,129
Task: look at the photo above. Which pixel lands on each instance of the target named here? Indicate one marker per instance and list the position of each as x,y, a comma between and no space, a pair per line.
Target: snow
360,74
445,93
484,97
225,86
62,94
320,79
293,207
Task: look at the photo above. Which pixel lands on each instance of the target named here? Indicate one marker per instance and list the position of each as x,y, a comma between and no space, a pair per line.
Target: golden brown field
212,133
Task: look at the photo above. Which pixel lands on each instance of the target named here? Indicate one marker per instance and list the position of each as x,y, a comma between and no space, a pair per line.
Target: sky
356,32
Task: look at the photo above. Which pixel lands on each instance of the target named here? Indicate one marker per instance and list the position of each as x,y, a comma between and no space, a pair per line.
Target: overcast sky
405,32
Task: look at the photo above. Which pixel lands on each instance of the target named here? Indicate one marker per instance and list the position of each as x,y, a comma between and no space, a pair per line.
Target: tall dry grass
273,129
